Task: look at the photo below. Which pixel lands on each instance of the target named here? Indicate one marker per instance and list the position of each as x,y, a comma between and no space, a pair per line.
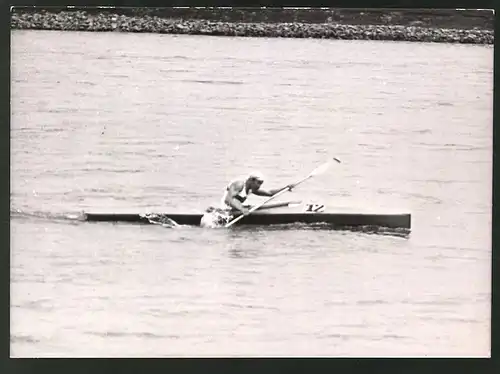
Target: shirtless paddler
238,191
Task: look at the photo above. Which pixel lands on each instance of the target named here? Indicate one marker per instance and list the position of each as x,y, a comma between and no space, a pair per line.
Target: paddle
319,170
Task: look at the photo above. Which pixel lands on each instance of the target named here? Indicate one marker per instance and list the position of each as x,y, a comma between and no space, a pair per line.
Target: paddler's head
255,180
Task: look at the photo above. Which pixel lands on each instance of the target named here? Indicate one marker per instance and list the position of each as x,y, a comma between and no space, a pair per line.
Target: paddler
238,191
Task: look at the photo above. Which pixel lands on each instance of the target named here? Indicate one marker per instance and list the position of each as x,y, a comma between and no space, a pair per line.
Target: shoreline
419,25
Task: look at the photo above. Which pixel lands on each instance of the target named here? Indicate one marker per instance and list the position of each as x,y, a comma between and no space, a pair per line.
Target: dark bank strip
421,25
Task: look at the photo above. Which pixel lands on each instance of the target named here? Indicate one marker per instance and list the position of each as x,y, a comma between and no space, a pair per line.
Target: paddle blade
322,168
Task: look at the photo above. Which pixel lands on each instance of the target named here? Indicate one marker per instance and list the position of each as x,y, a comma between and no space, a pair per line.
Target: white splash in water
214,219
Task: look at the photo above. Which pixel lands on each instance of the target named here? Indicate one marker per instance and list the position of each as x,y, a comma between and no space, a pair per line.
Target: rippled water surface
110,122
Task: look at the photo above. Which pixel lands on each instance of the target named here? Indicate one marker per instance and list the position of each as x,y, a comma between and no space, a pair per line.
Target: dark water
134,123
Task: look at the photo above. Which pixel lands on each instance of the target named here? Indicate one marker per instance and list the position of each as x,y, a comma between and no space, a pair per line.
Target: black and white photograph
250,182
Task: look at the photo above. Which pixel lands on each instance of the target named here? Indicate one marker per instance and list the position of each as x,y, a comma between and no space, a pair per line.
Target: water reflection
238,231
256,241
245,242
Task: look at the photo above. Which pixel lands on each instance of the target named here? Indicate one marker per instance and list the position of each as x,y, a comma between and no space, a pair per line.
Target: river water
110,122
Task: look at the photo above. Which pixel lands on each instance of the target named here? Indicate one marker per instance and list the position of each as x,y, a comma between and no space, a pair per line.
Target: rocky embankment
420,26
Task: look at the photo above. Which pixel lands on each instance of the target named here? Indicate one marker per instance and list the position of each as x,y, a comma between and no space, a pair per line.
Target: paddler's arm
261,192
230,200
